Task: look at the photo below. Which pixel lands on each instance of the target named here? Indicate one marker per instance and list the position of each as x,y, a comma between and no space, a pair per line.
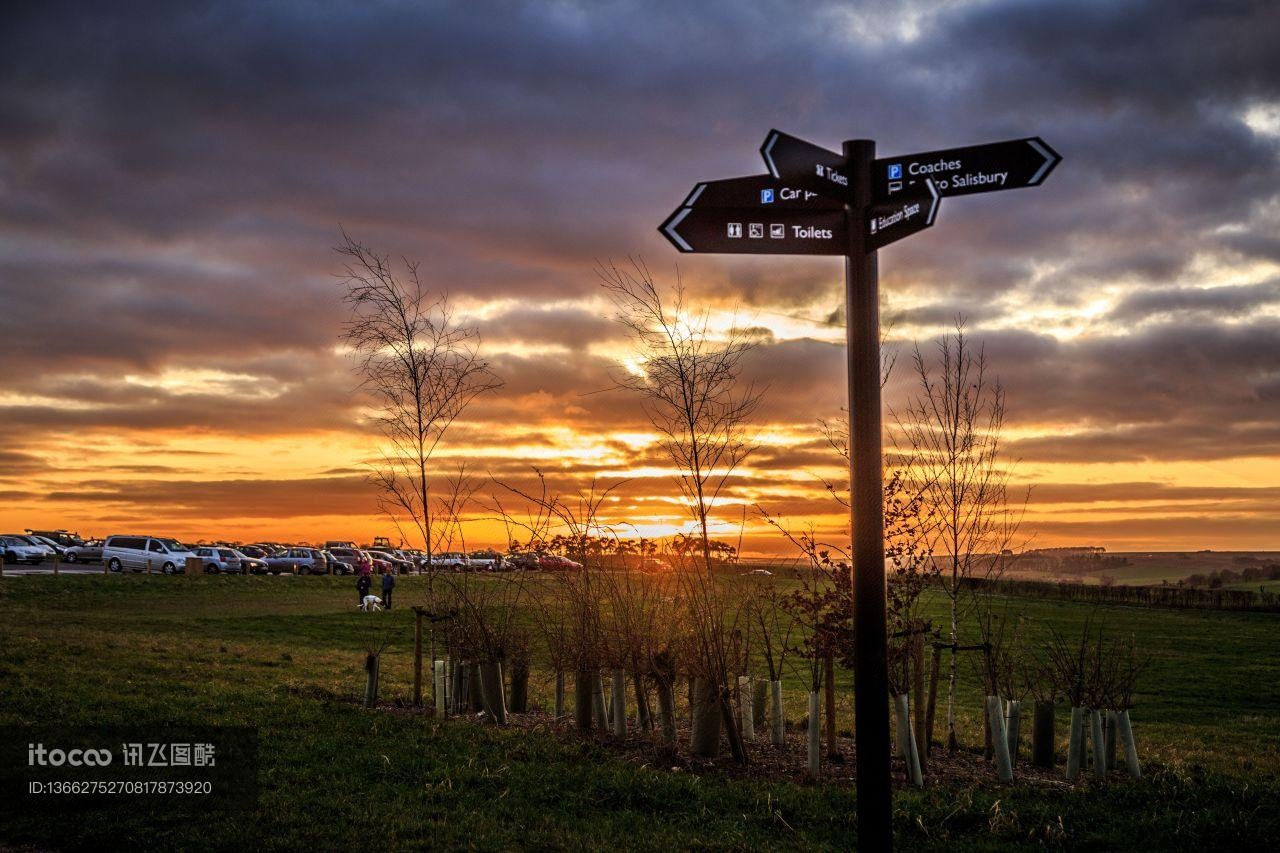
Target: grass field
284,655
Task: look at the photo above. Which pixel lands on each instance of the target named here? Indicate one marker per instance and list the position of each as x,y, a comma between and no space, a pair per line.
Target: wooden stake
933,700
583,700
917,675
830,691
618,704
746,709
417,658
597,700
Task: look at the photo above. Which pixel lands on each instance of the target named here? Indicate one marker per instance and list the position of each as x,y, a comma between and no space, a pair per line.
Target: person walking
388,584
363,583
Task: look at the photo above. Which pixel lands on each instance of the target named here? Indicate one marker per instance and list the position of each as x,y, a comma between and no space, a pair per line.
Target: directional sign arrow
753,231
763,191
911,211
959,171
806,165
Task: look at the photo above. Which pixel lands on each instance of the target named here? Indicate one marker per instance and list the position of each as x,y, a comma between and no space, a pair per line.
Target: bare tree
689,379
422,370
690,382
951,432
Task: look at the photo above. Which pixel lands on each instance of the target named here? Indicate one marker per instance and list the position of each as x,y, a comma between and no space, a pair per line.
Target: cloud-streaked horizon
173,180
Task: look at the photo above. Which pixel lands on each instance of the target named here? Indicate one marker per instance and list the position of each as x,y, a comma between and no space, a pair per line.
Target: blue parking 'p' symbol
766,196
895,172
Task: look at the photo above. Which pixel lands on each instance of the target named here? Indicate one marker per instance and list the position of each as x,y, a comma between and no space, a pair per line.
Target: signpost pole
871,676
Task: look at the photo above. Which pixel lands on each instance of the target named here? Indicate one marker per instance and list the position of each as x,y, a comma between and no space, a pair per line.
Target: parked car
419,557
136,552
44,548
380,566
556,563
654,566
485,561
59,537
764,573
251,565
89,552
522,561
339,567
345,554
400,565
17,549
57,548
220,560
254,552
310,561
452,560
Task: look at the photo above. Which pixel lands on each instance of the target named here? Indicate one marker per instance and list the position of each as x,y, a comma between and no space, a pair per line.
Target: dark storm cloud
574,328
1225,301
1168,391
218,499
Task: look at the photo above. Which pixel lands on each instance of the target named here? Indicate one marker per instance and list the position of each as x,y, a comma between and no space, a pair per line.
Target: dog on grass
370,604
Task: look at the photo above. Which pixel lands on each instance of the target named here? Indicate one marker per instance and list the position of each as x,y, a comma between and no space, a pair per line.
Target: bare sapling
567,603
487,629
821,610
1123,667
421,370
899,653
996,667
1070,661
377,634
689,380
772,625
949,437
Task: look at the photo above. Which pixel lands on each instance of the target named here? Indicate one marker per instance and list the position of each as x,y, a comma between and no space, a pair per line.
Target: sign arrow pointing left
806,165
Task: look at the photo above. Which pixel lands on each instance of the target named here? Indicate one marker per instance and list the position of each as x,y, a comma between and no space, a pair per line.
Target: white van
132,553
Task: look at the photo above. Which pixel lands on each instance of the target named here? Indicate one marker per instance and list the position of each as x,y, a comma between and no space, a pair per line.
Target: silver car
17,549
220,560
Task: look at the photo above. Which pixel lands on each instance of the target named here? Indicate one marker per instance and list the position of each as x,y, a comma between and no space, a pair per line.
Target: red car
556,563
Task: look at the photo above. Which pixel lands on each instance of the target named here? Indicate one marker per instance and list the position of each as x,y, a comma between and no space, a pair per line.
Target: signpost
817,202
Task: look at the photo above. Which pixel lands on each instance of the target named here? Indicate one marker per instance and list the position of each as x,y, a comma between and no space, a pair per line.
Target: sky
174,177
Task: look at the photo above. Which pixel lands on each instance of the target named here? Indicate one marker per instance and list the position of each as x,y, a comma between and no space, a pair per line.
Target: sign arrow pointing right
911,212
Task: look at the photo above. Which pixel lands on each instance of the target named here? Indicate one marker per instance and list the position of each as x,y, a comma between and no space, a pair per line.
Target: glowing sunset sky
173,178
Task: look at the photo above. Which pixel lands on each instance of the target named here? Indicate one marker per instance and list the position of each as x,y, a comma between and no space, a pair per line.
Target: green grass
284,655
